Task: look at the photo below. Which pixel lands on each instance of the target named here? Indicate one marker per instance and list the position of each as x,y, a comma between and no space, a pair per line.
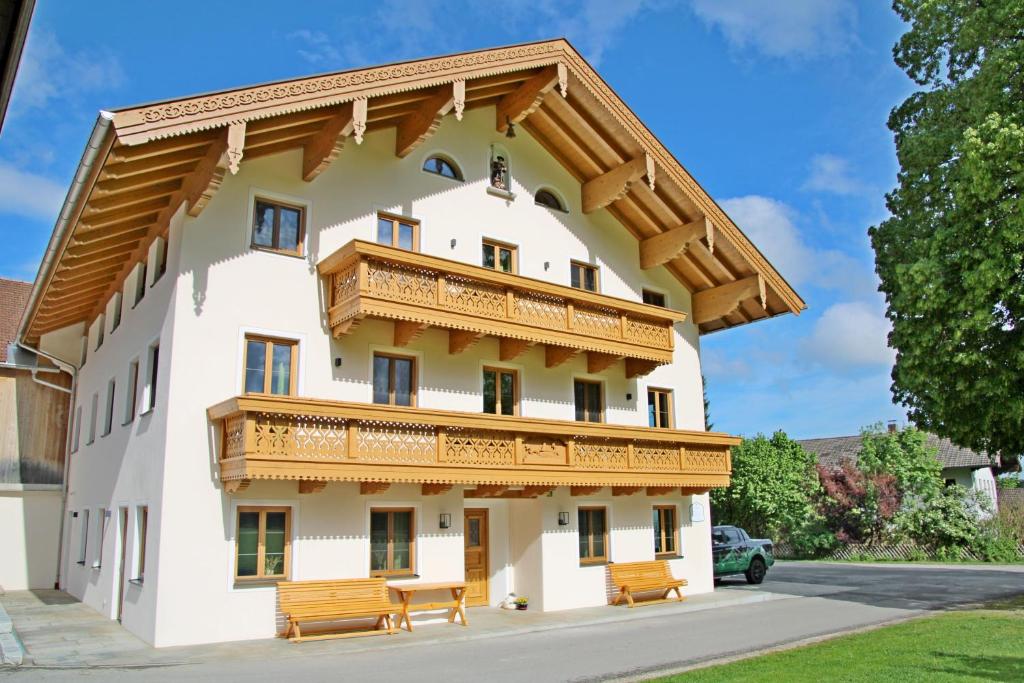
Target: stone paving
60,632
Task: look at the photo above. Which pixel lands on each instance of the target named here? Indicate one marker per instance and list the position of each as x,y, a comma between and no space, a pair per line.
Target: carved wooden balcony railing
315,441
417,291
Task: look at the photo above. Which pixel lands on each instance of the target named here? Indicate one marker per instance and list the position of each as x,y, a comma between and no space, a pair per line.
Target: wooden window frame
645,292
497,245
395,220
600,388
261,539
413,380
293,381
674,535
671,407
583,266
411,571
592,559
275,235
497,388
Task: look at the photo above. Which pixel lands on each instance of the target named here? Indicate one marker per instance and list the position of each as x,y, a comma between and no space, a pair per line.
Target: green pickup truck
734,552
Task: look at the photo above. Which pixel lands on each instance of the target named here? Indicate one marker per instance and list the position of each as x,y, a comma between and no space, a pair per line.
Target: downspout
77,193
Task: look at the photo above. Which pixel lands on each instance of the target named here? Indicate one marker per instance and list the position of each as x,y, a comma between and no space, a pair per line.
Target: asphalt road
813,600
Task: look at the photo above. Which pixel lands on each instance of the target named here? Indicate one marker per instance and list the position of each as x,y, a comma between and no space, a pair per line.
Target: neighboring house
33,428
962,466
15,16
436,320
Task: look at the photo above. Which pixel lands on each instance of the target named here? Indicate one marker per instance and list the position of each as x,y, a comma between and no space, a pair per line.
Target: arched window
549,199
443,167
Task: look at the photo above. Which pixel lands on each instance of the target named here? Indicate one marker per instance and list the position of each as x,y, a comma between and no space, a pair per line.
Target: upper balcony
417,291
314,441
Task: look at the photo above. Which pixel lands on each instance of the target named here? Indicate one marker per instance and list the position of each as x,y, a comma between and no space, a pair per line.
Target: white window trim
297,337
307,213
558,194
93,410
84,520
148,405
131,398
657,290
101,528
109,405
113,305
384,504
445,154
295,574
77,438
135,522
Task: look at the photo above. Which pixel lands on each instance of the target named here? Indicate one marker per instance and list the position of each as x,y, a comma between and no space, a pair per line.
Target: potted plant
522,603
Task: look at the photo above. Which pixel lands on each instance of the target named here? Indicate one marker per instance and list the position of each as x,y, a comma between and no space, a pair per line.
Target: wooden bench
639,577
324,601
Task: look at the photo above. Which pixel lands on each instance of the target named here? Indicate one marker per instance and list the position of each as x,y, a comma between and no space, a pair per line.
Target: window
153,368
593,535
588,401
108,415
549,199
659,408
142,531
501,391
443,167
78,430
132,391
101,532
278,227
270,365
394,231
263,543
392,541
116,312
394,380
666,534
499,256
654,298
161,259
583,276
100,328
140,284
92,418
83,528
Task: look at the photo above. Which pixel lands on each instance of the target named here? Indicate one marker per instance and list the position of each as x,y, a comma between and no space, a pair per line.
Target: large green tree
951,257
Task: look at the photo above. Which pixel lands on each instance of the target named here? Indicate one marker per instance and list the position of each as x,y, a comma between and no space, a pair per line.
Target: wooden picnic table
406,592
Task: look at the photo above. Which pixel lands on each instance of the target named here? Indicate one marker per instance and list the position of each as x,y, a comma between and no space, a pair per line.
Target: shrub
857,506
946,520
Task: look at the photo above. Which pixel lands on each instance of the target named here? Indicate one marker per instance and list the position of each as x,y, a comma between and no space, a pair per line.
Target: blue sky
778,109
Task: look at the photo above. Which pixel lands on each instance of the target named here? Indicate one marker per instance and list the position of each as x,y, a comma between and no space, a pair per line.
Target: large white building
435,320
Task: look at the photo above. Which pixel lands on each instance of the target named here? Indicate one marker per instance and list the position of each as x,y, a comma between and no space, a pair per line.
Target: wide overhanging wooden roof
155,158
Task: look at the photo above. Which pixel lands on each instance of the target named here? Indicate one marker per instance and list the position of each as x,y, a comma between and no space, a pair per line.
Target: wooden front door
475,535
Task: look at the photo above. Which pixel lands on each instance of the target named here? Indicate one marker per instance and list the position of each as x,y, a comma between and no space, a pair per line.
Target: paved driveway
800,601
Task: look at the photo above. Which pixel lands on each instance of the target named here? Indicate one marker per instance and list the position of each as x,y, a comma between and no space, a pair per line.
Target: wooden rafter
425,120
674,242
612,186
406,331
113,186
236,146
718,302
326,145
556,355
525,100
205,180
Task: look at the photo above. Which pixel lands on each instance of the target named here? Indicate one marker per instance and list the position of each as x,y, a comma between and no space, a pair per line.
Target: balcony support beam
236,485
406,331
369,488
435,489
626,490
636,367
673,243
599,362
584,490
460,340
487,491
718,302
311,486
612,186
660,490
510,349
556,355
693,490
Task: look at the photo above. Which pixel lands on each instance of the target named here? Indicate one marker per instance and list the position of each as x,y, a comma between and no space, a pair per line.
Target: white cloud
49,73
830,173
593,27
26,194
850,335
771,225
318,49
790,28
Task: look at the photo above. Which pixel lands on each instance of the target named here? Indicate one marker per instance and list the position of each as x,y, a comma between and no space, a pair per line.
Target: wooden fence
907,551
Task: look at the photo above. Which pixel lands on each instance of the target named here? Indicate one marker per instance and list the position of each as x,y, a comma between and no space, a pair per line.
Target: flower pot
522,607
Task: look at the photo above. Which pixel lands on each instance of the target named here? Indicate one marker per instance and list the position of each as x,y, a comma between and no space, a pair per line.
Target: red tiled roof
13,299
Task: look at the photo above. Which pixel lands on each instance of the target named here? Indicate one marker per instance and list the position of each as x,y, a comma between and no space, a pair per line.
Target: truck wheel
756,571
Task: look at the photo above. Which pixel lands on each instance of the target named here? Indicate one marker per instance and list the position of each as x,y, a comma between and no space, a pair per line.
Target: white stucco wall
29,523
217,289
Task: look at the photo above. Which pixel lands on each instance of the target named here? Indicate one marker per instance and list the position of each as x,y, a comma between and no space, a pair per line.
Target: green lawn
976,645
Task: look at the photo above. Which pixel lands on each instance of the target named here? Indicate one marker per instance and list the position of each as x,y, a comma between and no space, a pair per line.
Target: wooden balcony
316,441
417,291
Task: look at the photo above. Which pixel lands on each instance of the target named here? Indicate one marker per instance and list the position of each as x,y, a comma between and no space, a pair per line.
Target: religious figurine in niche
499,173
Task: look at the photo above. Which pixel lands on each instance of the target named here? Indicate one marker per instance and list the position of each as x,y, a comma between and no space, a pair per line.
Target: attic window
549,199
441,166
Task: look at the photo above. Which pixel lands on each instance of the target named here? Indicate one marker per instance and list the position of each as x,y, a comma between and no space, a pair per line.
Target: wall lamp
445,520
453,243
563,519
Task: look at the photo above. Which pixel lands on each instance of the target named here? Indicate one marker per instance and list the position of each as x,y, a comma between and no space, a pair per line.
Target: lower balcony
315,441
